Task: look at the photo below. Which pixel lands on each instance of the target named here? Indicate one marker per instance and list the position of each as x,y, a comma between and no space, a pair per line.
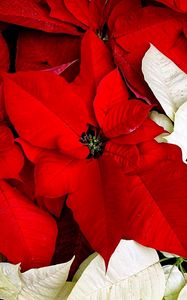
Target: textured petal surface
167,81
96,62
32,14
44,283
33,232
48,51
42,107
127,276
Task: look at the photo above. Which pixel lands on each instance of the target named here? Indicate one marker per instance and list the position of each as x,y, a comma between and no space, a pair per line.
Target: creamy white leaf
133,273
174,282
183,293
10,283
44,283
167,81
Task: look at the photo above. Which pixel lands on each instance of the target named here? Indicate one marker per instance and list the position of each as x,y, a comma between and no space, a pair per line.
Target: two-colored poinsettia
91,141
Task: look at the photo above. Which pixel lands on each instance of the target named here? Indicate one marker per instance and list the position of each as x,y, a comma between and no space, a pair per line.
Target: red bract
179,5
28,234
87,139
11,158
48,51
133,35
35,14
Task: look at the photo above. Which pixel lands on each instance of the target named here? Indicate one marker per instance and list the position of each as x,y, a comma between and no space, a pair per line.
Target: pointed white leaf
174,282
179,135
10,283
167,81
44,283
133,273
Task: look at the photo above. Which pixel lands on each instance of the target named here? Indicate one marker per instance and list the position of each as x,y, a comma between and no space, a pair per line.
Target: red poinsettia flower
88,140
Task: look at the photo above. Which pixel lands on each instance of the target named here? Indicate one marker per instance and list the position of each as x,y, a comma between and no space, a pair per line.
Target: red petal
109,205
60,11
147,131
27,233
123,8
56,175
125,119
179,5
126,156
47,51
42,107
11,162
110,92
96,62
99,205
80,10
32,14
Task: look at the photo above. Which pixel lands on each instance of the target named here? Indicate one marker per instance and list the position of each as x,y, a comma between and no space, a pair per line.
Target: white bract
175,281
47,283
169,84
134,272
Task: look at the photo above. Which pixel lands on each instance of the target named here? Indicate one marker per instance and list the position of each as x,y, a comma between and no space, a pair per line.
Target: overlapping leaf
28,234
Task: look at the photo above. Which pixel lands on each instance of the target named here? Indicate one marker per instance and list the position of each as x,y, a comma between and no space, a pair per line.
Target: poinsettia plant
92,134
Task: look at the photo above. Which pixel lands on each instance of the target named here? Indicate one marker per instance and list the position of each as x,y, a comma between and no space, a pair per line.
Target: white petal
10,283
179,135
174,282
44,283
167,81
133,273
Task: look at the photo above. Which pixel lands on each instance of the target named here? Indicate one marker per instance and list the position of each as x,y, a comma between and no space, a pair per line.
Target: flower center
94,140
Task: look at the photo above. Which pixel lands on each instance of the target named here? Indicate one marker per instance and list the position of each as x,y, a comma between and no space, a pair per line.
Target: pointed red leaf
27,233
42,107
96,62
146,132
110,92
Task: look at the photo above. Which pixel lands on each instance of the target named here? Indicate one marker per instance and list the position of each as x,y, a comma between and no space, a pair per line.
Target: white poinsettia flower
169,84
175,281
